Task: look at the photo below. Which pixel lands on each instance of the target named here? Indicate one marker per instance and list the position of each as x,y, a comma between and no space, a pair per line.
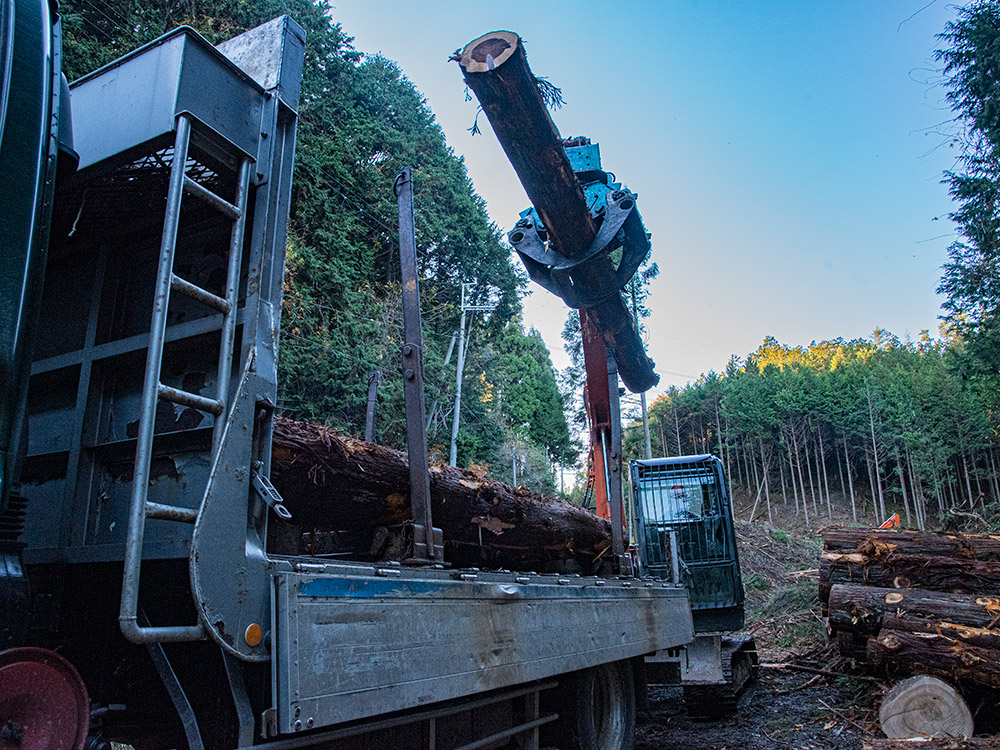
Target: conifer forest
868,426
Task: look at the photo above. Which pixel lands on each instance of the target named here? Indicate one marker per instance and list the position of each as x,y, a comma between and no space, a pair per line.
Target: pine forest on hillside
870,425
881,423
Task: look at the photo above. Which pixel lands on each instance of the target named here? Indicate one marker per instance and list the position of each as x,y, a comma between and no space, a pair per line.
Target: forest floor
788,707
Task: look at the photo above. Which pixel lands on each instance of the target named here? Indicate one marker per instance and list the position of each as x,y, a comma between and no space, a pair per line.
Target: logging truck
153,588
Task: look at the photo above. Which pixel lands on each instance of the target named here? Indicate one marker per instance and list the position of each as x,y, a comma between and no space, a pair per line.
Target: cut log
955,575
863,609
965,634
924,706
974,743
880,543
934,654
336,483
496,69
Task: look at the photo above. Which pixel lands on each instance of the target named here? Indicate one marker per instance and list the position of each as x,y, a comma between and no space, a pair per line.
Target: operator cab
685,499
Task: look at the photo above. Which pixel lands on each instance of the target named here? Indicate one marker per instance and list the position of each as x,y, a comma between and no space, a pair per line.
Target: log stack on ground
336,484
915,603
957,563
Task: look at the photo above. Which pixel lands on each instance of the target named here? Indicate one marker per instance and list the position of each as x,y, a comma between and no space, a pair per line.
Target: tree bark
878,477
765,465
496,69
826,479
802,485
882,542
863,609
934,654
902,483
973,743
911,571
335,483
850,482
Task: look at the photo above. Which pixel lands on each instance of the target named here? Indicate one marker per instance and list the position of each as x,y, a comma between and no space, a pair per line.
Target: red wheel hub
43,702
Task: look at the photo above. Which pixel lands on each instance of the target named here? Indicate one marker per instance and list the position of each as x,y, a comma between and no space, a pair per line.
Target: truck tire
596,709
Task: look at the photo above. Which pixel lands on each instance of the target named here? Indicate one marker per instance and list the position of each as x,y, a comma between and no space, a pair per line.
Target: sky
787,154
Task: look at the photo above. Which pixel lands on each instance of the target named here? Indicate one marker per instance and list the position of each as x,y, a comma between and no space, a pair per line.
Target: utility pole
447,359
373,380
462,348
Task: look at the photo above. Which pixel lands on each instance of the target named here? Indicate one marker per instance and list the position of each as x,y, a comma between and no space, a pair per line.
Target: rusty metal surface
425,547
361,640
43,702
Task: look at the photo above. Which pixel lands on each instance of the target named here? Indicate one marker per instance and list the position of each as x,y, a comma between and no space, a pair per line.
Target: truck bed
357,640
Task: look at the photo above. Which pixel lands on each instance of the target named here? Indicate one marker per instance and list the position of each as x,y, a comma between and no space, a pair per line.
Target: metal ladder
153,390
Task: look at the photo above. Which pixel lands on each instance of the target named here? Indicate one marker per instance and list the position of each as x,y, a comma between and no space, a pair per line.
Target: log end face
489,51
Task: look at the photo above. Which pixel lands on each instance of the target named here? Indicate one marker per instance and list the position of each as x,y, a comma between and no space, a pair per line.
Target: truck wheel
597,709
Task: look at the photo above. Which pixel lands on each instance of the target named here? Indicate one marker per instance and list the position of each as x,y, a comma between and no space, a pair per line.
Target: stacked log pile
914,602
338,486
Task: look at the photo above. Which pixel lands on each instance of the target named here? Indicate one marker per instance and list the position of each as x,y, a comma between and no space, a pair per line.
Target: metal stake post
424,547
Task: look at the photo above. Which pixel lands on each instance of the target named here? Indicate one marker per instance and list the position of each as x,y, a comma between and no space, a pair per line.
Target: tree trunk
336,483
968,484
801,481
902,483
496,69
919,501
765,465
791,476
840,469
781,471
878,476
677,431
871,481
993,477
809,473
826,480
850,482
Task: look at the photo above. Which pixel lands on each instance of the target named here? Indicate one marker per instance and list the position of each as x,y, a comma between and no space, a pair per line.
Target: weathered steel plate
356,645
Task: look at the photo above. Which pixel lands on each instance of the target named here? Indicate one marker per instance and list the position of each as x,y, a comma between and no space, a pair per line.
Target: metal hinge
269,494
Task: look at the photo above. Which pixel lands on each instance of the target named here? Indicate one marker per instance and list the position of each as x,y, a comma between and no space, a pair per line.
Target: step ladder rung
171,513
184,398
196,292
203,193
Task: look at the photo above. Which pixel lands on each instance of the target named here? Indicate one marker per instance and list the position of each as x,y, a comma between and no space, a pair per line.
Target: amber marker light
254,635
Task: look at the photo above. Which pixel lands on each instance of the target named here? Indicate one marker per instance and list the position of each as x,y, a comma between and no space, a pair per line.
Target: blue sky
787,154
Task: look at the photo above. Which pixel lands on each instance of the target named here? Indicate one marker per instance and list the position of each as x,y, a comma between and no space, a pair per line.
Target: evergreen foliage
873,421
971,278
361,121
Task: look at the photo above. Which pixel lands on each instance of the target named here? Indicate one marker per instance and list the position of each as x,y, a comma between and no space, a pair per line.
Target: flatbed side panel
348,647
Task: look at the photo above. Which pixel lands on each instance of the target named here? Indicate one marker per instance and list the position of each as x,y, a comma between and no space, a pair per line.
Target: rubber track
718,701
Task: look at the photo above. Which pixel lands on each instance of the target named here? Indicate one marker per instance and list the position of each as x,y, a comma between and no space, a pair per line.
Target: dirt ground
788,707
776,713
